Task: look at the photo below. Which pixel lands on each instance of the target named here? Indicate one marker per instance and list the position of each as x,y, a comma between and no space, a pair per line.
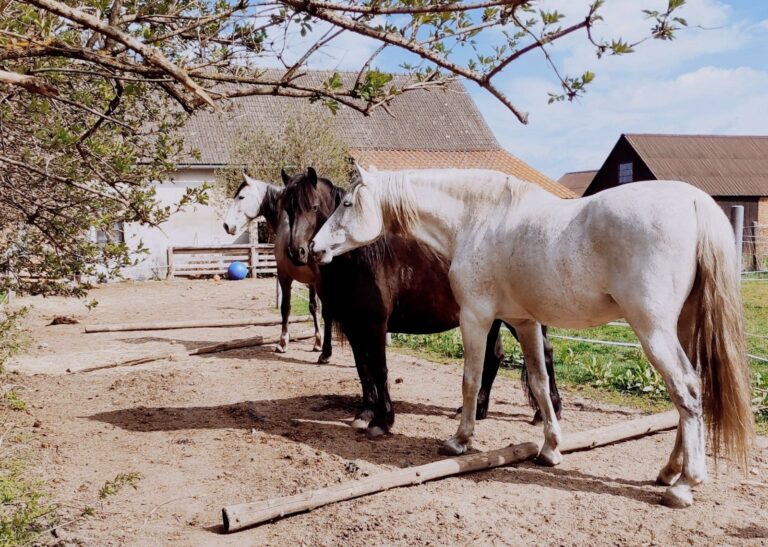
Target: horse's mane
398,203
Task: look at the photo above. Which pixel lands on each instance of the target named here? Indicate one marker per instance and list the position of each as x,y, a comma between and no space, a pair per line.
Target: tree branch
30,83
152,55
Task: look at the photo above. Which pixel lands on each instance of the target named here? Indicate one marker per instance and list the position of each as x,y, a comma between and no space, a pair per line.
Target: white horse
256,198
660,254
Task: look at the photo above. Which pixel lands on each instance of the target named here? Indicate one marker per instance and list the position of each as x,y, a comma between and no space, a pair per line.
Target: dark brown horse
392,285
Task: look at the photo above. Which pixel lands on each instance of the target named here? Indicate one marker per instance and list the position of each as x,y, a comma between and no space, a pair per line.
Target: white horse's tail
719,348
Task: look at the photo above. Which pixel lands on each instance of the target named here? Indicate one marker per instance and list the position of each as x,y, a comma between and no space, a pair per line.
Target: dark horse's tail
554,394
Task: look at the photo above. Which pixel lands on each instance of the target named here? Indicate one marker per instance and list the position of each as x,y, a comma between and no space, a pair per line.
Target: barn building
731,169
438,128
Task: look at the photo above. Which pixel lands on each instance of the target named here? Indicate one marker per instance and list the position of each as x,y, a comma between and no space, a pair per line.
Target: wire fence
755,248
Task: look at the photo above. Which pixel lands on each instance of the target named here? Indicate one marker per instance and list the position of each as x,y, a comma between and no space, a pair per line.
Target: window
625,172
115,234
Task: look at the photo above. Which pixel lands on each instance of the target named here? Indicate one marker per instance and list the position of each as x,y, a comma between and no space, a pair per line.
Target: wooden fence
215,259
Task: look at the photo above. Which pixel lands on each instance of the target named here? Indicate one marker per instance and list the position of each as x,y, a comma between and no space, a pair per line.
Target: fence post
277,293
169,275
737,222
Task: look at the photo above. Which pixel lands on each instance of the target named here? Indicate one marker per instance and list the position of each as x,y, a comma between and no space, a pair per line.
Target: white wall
195,225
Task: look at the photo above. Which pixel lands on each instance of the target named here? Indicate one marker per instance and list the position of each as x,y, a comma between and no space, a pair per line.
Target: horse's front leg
474,334
531,340
325,355
360,353
313,313
285,310
384,412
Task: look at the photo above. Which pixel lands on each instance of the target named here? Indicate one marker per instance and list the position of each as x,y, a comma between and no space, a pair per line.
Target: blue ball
237,271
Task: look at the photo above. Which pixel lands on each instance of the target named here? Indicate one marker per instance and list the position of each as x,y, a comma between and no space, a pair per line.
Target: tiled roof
719,165
433,119
577,181
499,160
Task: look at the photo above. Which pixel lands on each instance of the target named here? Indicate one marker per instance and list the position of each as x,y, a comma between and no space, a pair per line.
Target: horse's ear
312,176
361,173
285,177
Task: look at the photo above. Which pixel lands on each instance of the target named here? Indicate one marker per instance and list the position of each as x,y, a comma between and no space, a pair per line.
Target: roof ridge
697,135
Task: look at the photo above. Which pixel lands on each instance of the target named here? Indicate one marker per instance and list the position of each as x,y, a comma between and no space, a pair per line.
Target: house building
438,128
731,169
577,181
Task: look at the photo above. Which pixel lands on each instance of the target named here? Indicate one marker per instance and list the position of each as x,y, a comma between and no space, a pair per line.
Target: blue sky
713,78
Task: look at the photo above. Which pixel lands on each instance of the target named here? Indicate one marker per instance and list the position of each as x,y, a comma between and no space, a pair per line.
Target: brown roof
434,119
719,165
577,181
499,160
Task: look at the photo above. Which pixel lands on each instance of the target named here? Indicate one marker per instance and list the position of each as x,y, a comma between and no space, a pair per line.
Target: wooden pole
212,323
214,348
238,517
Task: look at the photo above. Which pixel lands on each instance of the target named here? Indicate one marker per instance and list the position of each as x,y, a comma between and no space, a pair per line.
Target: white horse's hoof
678,497
359,423
375,432
667,477
279,349
452,447
549,457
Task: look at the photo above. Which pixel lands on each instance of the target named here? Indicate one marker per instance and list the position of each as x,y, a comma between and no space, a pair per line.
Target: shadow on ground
322,422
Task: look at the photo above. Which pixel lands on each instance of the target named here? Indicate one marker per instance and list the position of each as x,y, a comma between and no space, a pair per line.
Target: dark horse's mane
298,197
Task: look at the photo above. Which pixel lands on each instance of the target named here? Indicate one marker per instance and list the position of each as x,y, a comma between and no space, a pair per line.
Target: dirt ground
208,431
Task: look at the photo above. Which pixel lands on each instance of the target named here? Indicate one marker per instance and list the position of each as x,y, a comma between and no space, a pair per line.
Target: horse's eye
314,208
241,197
347,204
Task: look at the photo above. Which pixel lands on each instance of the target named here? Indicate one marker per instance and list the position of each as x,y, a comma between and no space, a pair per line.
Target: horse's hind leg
285,310
494,355
532,342
313,313
684,386
549,361
674,467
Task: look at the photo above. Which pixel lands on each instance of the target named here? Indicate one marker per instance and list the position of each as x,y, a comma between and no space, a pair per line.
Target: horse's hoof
375,432
317,348
678,497
452,447
280,349
549,457
667,477
323,359
537,418
359,423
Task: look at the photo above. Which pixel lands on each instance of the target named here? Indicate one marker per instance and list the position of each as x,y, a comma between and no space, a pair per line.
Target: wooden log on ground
214,348
238,517
247,342
211,323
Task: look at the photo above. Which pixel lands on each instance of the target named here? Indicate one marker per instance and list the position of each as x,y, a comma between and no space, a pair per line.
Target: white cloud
575,136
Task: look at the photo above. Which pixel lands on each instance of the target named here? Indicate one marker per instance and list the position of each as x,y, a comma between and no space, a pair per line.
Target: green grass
299,300
615,374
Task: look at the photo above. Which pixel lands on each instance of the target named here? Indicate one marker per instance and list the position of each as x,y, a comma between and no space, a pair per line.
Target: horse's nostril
302,251
226,227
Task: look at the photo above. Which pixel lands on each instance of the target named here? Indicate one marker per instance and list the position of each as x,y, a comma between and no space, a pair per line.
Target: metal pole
737,222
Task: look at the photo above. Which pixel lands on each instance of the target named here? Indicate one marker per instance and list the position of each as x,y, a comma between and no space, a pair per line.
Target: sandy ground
204,432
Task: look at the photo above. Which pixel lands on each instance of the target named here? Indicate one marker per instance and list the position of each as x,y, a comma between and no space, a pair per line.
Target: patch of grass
121,480
24,511
12,400
299,301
